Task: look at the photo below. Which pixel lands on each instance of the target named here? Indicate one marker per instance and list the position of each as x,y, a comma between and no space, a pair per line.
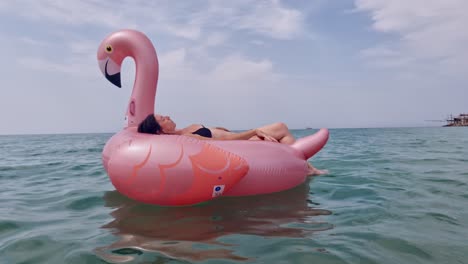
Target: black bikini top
204,132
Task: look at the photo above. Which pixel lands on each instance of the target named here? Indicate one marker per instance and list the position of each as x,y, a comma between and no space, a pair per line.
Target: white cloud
71,12
258,42
385,57
78,58
202,27
215,39
81,69
428,31
182,19
35,42
268,18
173,58
83,47
173,65
236,67
273,20
379,52
43,65
184,31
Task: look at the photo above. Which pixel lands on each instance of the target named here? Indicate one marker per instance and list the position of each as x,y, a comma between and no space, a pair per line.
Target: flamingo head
111,52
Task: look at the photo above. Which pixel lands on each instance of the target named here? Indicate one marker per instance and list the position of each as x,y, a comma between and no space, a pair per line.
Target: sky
237,64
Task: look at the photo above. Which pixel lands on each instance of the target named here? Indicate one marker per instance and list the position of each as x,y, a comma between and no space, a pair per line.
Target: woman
276,132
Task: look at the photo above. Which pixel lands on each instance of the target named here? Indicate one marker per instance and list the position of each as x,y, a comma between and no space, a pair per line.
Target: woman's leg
279,131
314,171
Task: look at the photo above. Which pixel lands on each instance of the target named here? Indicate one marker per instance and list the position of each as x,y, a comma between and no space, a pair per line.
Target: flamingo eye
108,48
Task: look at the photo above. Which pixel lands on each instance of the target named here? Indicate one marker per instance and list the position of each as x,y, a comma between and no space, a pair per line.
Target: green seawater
394,195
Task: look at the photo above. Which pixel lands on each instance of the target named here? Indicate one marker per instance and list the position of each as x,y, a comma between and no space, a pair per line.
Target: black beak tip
114,78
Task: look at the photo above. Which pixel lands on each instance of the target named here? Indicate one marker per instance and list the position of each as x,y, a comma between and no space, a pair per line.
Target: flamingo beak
111,70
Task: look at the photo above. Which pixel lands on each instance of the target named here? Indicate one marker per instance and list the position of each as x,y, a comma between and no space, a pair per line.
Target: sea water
393,195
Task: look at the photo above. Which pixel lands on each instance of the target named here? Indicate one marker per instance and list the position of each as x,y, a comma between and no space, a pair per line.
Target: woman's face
167,125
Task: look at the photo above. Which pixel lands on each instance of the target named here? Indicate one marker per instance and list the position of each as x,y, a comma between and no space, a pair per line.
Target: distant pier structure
460,120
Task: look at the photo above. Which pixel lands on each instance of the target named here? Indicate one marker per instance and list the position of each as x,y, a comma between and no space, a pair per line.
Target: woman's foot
314,171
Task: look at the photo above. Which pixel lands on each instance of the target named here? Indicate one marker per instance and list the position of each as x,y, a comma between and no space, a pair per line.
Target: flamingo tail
312,144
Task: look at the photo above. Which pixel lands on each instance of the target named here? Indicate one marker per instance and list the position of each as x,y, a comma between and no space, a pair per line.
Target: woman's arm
239,136
197,136
227,136
246,135
222,128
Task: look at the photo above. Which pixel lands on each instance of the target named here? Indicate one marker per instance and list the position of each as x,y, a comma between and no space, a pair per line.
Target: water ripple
392,196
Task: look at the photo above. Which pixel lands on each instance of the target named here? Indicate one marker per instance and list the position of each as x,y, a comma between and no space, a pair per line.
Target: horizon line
292,129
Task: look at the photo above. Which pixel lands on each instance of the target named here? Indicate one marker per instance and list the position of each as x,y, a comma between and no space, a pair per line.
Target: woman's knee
281,126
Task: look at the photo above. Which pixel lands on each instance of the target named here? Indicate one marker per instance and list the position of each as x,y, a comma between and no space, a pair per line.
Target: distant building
460,120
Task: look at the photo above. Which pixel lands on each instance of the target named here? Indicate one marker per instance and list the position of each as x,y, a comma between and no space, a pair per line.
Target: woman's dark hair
149,125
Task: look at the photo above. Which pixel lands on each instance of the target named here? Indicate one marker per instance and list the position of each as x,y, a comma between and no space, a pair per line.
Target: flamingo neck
141,102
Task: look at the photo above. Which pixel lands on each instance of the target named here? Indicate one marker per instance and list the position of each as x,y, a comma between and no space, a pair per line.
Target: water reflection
177,231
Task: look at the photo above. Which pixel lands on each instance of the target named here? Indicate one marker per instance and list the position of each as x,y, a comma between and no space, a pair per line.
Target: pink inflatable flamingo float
181,170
